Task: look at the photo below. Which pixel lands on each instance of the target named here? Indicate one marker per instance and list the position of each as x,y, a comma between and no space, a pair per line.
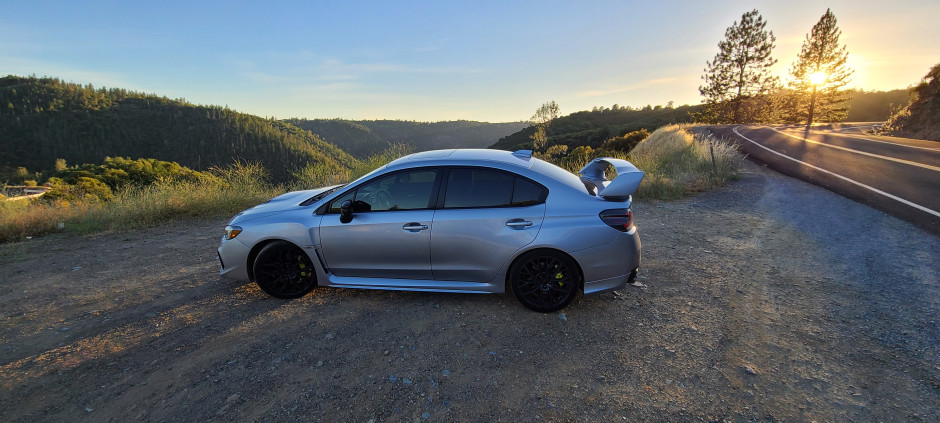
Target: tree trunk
812,107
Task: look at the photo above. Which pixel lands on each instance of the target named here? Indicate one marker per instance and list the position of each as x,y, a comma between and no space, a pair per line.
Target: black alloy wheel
544,281
284,271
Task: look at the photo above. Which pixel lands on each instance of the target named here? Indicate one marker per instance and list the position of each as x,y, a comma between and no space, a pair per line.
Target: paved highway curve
897,175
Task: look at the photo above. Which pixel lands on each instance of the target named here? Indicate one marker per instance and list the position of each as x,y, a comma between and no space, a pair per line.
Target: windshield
320,196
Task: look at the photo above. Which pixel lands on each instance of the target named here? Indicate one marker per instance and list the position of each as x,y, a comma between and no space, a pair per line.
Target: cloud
632,87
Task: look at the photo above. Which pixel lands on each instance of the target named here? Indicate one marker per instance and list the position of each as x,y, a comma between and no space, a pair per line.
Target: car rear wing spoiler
624,184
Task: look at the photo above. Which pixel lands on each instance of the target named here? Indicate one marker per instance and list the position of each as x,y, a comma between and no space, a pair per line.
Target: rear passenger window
478,188
472,188
527,193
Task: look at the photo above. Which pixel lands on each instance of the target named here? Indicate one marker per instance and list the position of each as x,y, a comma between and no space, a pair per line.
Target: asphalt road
899,176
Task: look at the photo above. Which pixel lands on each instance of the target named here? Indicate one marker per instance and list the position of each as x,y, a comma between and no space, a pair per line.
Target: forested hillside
875,106
366,137
921,118
592,128
45,119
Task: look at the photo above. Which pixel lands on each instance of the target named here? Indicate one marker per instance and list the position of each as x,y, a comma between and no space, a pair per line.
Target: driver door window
409,190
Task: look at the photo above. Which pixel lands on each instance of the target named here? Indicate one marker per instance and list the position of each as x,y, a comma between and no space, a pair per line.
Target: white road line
859,137
878,156
893,197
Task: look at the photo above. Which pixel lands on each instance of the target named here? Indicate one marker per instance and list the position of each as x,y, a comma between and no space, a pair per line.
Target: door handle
414,227
519,223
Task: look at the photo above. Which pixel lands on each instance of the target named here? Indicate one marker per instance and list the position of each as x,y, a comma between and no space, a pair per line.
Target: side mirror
346,212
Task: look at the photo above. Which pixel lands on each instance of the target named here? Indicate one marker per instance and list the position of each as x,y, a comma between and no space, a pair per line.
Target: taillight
619,219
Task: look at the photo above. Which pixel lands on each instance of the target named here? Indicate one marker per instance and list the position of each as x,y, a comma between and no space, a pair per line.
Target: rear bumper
612,284
611,266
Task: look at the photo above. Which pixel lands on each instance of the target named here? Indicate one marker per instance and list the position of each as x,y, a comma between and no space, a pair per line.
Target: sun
818,77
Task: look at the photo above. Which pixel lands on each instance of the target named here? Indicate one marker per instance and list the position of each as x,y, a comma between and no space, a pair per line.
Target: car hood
278,204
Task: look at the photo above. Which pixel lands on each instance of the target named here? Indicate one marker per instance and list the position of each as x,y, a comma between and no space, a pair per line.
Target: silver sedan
469,221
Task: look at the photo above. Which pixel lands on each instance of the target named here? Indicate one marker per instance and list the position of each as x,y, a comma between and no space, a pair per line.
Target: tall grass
221,192
678,163
320,175
224,191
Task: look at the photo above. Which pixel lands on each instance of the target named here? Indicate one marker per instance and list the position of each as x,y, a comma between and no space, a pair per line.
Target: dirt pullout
771,300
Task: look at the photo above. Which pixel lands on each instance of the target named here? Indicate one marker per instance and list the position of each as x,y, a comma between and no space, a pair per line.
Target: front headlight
232,231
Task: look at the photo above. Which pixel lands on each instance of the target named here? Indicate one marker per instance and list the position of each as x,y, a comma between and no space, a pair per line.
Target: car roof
521,159
438,157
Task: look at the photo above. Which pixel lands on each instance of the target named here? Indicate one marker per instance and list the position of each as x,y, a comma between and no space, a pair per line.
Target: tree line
364,138
45,119
739,86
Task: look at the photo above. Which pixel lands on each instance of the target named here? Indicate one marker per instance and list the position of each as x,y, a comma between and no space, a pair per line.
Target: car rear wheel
544,281
284,271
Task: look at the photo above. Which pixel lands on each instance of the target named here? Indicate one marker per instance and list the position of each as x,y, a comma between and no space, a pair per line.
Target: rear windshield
559,174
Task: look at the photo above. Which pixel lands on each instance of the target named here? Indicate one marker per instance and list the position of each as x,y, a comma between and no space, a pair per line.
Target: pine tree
738,80
820,75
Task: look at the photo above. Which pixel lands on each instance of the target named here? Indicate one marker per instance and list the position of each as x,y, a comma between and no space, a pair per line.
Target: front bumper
233,260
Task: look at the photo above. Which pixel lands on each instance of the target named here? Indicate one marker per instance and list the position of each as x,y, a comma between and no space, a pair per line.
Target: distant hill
44,119
921,118
363,138
592,128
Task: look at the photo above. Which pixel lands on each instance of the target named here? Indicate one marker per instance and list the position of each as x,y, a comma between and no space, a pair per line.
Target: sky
494,61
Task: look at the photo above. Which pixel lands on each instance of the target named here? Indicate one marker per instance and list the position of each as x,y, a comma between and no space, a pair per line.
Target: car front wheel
544,281
284,271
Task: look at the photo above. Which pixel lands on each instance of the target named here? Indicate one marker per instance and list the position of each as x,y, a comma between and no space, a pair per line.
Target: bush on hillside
921,118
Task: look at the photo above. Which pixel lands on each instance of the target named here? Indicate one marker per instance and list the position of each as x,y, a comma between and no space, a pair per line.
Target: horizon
440,62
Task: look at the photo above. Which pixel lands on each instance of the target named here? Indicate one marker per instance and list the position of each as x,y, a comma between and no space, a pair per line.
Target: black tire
544,281
284,271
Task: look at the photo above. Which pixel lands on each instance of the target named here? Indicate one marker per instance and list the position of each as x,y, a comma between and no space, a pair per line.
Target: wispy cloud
632,87
307,67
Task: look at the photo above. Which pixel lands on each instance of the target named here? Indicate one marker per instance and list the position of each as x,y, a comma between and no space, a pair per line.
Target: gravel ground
770,300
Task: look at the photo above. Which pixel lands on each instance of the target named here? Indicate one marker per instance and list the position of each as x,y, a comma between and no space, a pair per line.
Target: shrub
626,142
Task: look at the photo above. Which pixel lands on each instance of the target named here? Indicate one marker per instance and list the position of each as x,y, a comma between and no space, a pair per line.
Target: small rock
232,398
385,352
425,415
76,267
446,372
750,370
393,379
638,284
89,409
563,317
320,363
406,381
329,336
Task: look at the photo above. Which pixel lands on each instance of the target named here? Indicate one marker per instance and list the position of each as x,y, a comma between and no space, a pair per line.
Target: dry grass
678,163
225,191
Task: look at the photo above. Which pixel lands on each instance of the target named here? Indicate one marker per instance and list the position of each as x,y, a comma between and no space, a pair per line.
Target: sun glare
817,78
